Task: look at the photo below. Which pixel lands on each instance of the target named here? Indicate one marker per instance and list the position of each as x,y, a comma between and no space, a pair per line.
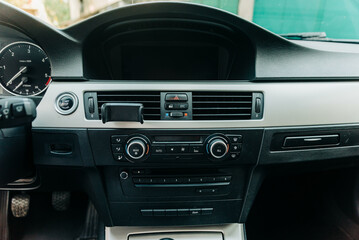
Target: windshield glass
338,19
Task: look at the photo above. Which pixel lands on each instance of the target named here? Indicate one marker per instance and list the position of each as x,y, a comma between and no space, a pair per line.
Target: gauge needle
20,84
16,75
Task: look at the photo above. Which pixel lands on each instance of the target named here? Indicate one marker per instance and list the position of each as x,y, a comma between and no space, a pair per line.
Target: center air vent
222,105
150,100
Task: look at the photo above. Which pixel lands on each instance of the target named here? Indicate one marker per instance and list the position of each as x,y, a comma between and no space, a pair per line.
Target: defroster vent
151,101
222,105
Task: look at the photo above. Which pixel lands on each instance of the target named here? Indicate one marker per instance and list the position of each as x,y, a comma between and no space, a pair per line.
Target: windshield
338,19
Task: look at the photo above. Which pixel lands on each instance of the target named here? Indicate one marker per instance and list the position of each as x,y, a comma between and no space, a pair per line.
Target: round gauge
24,69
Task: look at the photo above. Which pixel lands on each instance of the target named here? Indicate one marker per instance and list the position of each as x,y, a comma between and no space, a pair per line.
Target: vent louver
222,105
151,101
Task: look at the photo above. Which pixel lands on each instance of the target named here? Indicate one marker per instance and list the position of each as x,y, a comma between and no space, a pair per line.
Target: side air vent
150,100
222,105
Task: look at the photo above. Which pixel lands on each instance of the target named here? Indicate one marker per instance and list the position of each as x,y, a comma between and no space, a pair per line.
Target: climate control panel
138,148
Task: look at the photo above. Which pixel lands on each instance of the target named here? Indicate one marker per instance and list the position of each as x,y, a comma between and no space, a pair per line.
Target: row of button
117,146
182,148
117,151
176,106
176,212
235,147
183,180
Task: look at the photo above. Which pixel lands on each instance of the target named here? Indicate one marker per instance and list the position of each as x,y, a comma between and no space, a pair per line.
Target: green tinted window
338,18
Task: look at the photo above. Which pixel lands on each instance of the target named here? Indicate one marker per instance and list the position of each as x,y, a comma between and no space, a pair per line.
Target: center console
175,177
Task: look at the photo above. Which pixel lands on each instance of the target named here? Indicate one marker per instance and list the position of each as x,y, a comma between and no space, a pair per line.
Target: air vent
222,105
150,100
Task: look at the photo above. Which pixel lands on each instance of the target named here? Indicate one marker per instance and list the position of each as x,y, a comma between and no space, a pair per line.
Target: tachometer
25,69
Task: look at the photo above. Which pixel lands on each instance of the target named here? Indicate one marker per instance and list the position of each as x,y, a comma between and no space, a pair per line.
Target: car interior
176,121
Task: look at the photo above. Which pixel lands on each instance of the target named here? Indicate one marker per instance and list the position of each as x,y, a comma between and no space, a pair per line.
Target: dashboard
174,113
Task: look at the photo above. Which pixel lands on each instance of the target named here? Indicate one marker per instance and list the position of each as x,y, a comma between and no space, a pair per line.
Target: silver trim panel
229,231
285,104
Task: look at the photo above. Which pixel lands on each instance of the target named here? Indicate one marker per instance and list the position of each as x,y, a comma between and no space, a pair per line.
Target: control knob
217,148
137,149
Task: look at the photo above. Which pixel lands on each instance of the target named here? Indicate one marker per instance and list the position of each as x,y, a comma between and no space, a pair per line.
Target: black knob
137,149
124,175
217,148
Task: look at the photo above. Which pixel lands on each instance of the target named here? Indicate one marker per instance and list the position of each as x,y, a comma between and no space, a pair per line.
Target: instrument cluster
25,69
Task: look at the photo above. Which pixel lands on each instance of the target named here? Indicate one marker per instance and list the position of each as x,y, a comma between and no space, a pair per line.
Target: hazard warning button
176,97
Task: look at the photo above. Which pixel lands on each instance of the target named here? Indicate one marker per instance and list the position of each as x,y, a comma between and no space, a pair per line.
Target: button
176,97
171,212
158,149
124,175
182,106
137,180
135,150
218,149
170,106
208,179
6,113
118,156
212,179
207,211
18,110
195,211
117,139
235,148
195,149
157,180
162,180
147,212
172,149
117,148
147,180
171,180
207,191
187,180
66,102
235,139
183,212
197,180
159,212
234,155
174,180
183,149
176,114
224,179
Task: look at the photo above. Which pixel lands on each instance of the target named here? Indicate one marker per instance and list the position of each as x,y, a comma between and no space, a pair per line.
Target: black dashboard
174,113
